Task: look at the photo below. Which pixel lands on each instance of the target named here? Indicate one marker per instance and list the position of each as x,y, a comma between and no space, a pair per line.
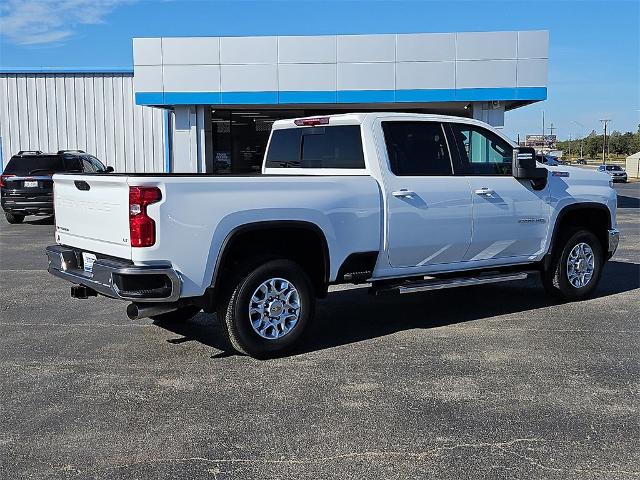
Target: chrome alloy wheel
274,309
580,265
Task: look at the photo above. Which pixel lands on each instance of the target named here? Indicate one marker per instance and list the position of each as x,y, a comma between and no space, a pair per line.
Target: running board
439,284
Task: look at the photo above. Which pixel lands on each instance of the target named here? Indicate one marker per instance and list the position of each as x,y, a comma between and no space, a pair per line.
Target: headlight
611,183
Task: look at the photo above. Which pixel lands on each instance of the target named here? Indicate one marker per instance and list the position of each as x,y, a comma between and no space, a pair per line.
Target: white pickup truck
405,202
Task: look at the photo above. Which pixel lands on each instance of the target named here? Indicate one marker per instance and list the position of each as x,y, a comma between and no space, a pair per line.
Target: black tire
14,217
233,311
556,278
178,316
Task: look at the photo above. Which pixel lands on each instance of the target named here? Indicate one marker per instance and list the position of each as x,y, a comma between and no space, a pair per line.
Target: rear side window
417,149
316,147
34,165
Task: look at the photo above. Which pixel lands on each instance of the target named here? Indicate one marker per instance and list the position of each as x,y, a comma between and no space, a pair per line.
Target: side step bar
439,283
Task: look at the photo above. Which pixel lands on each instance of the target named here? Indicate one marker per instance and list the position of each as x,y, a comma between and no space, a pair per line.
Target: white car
406,202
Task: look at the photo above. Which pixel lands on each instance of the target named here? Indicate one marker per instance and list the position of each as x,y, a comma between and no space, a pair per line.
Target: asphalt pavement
495,381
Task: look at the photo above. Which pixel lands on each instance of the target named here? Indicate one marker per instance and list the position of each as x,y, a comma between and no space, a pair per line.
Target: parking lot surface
483,382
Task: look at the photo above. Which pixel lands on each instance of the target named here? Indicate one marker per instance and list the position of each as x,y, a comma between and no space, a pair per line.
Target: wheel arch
592,215
302,228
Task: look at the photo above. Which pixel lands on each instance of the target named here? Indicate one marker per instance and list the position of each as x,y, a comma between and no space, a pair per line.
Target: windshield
614,167
34,165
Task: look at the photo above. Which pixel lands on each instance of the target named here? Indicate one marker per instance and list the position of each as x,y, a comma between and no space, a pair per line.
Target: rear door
428,209
92,213
510,218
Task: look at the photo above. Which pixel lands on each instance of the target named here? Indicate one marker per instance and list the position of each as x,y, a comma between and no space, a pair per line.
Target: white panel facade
191,51
421,61
307,49
366,76
533,44
307,77
192,78
149,78
487,45
147,51
248,78
240,50
486,74
432,75
426,47
532,72
366,48
94,112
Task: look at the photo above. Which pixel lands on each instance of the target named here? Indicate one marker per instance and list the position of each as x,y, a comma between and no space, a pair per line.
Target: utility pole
581,137
569,145
543,142
551,129
604,144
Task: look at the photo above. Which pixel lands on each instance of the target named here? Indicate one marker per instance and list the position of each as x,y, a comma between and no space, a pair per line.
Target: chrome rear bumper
116,278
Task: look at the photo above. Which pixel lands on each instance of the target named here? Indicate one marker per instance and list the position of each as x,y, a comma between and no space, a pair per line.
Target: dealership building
206,104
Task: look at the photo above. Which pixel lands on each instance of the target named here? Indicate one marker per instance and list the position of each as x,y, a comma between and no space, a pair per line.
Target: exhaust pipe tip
136,311
133,311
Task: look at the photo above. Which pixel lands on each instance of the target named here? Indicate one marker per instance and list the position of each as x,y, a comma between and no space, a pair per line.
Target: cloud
32,22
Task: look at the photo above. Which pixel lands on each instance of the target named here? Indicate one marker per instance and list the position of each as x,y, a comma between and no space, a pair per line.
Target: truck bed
198,212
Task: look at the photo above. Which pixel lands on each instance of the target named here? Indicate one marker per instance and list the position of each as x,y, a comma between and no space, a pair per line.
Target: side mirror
525,167
109,169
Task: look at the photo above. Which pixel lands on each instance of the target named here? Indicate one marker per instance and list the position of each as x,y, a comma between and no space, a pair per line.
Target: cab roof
359,118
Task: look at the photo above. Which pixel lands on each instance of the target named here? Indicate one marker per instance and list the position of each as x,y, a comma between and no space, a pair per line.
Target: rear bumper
614,240
116,278
27,204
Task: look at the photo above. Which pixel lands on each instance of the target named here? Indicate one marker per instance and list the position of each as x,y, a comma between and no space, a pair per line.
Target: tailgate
92,213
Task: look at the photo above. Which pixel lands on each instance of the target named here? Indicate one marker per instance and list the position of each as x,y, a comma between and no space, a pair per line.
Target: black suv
26,186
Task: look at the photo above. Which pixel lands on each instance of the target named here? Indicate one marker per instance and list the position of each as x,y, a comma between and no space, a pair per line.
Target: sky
594,51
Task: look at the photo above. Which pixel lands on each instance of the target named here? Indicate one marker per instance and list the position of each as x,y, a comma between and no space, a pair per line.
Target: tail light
142,227
3,179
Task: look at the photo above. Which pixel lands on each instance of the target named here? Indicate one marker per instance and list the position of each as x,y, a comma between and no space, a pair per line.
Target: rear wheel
14,217
576,266
268,309
182,314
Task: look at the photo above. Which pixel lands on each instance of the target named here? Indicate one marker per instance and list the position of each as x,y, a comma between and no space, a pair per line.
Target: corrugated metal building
51,110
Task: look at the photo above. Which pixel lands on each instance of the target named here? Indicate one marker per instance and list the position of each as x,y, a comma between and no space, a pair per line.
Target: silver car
618,174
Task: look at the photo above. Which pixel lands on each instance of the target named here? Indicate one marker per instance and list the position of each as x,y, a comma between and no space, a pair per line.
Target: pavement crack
343,456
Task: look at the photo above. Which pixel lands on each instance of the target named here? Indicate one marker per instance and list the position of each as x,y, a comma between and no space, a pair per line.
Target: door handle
487,192
403,193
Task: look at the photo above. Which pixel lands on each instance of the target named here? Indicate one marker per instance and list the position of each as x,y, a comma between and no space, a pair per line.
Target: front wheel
268,309
14,217
576,266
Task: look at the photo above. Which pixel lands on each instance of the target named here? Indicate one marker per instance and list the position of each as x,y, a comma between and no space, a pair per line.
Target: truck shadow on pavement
350,316
50,220
628,202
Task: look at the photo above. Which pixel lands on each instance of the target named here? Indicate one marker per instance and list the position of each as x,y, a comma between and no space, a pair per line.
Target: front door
510,218
428,209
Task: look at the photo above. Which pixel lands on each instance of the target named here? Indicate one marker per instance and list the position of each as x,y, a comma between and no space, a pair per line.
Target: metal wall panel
396,68
94,112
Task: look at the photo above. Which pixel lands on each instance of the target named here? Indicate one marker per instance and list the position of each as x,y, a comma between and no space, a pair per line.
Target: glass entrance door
239,139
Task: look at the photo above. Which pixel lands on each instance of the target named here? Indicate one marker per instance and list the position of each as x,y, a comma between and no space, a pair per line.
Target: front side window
416,149
480,151
316,147
91,164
